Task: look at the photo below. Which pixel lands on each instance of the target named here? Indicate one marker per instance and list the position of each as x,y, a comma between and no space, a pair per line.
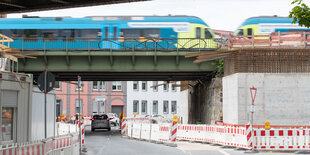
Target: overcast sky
218,14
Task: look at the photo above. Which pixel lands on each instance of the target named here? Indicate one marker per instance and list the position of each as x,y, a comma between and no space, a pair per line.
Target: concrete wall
282,98
205,101
183,111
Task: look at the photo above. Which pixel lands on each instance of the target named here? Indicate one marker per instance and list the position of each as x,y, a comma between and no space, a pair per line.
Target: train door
110,36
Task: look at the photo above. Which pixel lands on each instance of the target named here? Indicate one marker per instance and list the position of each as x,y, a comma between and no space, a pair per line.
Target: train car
109,32
265,25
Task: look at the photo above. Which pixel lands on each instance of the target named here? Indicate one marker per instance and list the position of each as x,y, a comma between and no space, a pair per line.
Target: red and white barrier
124,127
235,136
282,139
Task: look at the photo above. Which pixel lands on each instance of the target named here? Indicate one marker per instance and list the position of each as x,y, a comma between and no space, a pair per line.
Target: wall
205,101
68,94
149,95
282,98
184,106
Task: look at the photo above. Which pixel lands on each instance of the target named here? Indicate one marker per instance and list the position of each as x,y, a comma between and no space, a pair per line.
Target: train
265,25
109,32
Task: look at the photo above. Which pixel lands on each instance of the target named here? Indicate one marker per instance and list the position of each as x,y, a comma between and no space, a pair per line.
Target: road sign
253,91
46,81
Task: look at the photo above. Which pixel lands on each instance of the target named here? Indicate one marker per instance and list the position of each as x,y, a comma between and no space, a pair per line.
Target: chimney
3,15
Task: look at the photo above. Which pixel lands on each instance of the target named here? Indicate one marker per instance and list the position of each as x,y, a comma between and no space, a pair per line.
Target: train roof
266,19
101,19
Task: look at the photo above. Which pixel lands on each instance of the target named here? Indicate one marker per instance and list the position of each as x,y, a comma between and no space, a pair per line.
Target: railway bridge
94,59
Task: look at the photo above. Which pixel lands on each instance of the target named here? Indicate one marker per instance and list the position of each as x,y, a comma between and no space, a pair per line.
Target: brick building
98,96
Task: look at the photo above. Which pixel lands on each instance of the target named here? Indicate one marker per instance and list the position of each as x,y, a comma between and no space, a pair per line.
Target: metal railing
273,40
123,44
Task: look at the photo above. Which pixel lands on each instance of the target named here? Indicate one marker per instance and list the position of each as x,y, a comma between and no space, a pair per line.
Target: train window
6,32
49,34
115,32
106,33
151,33
131,33
198,32
208,35
250,31
89,34
67,34
30,35
240,32
17,33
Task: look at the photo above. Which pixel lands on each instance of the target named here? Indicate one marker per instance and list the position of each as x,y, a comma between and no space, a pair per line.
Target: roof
91,21
266,19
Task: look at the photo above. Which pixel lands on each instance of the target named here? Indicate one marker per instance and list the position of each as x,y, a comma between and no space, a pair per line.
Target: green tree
300,13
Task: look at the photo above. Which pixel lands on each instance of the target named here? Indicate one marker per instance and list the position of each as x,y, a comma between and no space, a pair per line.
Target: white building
162,100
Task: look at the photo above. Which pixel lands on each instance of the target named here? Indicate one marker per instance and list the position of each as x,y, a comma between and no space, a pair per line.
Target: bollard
174,130
124,125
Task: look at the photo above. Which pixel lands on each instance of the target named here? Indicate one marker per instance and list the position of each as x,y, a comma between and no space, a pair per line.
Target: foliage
300,13
219,64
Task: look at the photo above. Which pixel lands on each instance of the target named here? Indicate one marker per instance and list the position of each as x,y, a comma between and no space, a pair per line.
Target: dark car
100,122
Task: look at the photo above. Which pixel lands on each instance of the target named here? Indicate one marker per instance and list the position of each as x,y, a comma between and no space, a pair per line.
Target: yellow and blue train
265,25
109,32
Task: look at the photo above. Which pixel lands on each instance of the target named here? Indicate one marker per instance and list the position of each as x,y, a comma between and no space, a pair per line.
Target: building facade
144,99
95,96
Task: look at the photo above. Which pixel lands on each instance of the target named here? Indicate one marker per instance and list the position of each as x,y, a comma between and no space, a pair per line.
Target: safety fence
232,136
66,142
273,40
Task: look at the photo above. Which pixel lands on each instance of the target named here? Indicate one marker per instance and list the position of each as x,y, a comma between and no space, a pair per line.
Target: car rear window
99,117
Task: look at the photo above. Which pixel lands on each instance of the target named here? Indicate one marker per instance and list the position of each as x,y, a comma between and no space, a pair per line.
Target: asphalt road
103,142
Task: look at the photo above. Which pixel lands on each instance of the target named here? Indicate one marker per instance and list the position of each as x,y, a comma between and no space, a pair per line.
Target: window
77,106
166,107
155,88
249,31
155,107
208,35
99,85
57,85
240,32
58,105
144,107
135,85
49,34
198,32
144,86
30,34
173,107
166,87
116,86
89,33
151,33
66,34
106,33
115,32
136,106
173,87
130,33
7,124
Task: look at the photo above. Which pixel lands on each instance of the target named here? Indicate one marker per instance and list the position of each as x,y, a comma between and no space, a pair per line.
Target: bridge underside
40,5
124,66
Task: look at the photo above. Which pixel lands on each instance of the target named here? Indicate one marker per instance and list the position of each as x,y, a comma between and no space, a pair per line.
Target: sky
218,14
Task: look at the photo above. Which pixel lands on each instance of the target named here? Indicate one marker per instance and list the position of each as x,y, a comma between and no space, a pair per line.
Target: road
103,142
